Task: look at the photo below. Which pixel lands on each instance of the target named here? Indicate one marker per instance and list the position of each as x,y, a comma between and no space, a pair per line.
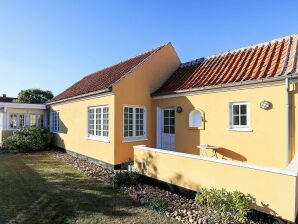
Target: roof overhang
87,95
22,106
225,87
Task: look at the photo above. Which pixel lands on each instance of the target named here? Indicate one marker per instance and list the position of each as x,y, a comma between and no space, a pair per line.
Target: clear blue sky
52,44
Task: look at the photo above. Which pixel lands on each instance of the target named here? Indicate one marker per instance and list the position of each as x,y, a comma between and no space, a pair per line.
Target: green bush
126,178
223,204
158,204
28,139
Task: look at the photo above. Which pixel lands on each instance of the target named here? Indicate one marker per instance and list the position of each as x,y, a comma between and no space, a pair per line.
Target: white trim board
23,106
100,93
231,163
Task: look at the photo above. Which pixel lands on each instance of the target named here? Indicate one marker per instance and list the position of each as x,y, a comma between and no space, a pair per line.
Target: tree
37,96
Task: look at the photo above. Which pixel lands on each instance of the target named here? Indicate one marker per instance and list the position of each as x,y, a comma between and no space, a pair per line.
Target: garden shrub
126,178
158,204
28,139
224,205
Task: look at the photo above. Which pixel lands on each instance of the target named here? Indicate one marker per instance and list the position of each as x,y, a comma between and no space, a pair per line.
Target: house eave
79,97
226,87
22,105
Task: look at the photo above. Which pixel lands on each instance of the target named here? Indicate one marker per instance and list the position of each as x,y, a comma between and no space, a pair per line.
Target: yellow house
18,115
231,114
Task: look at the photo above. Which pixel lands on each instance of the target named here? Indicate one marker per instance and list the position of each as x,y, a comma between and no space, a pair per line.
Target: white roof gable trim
22,106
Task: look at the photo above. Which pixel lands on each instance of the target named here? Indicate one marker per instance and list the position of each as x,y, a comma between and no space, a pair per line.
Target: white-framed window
40,120
98,122
36,120
239,116
33,120
17,121
54,121
134,123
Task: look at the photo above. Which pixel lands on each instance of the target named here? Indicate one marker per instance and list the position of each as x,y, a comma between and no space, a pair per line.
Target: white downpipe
287,83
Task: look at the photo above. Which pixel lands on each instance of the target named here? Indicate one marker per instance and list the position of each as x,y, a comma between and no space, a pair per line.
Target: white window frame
94,136
134,138
36,120
55,114
239,127
18,120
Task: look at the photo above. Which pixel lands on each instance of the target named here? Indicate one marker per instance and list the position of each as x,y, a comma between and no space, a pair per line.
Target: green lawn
36,188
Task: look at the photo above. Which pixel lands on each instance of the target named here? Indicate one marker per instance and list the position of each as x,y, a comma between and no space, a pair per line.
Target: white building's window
22,120
134,123
98,122
13,121
17,121
40,120
36,120
239,116
54,121
33,120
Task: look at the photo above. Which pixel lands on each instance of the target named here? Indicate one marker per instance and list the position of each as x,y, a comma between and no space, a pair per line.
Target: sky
52,44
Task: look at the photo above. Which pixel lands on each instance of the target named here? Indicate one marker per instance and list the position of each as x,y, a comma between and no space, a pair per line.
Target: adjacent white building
18,115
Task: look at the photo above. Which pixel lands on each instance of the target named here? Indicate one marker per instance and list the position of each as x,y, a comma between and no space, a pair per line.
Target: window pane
55,121
13,121
243,109
32,120
40,120
166,113
243,120
235,109
166,121
91,122
172,121
128,121
98,122
105,121
172,113
166,129
22,120
172,130
235,120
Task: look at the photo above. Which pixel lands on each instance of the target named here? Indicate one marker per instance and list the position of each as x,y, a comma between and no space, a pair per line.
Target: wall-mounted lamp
265,105
179,109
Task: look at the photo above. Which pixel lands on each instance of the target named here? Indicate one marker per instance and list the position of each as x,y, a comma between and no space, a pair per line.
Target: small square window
239,115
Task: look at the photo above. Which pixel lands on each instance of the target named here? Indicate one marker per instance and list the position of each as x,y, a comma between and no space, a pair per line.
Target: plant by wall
126,178
28,139
225,206
158,204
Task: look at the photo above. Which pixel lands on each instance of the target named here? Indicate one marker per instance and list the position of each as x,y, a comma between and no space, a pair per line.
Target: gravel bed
180,208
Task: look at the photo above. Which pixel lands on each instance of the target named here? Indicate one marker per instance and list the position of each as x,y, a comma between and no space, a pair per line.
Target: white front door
168,129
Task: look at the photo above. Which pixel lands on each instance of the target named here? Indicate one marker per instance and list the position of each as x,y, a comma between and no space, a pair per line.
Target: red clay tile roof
6,99
105,78
266,60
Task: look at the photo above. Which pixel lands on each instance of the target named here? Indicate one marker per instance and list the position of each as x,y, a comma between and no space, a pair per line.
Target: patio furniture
206,148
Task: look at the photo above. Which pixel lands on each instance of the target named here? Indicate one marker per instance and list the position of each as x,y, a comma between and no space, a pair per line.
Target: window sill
100,139
196,128
240,129
134,139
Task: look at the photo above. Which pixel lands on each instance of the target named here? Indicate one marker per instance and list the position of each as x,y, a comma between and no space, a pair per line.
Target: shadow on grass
38,189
